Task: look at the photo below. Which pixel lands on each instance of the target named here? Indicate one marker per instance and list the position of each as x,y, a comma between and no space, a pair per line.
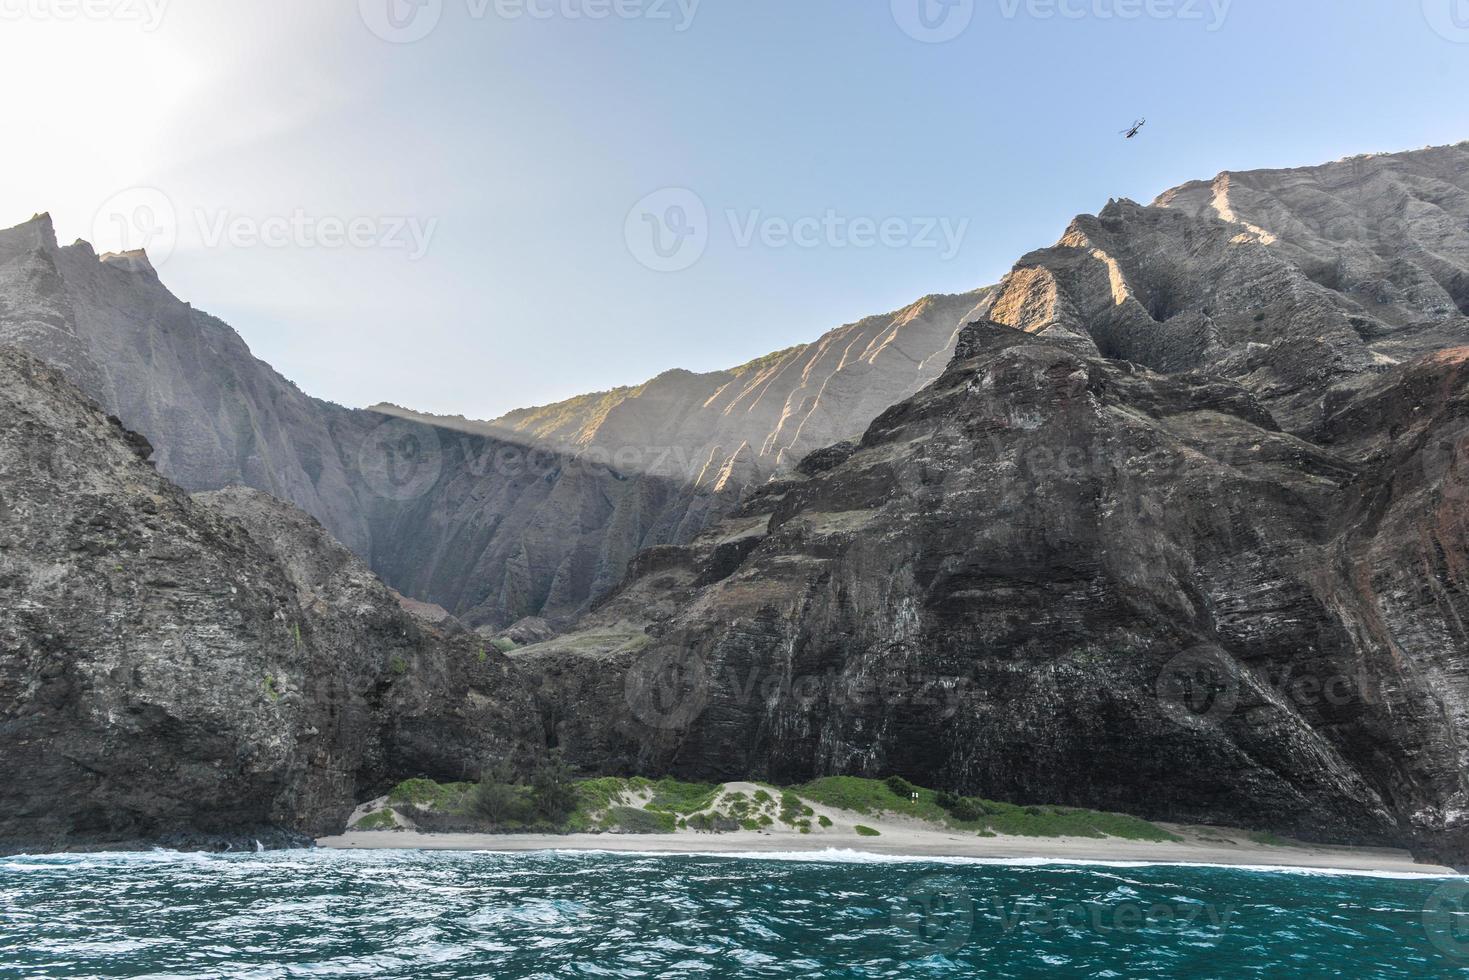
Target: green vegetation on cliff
896,796
552,802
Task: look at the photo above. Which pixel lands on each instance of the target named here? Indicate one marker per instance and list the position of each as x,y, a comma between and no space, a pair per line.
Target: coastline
908,842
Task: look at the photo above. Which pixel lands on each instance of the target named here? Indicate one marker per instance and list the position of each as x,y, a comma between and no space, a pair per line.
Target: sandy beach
1220,847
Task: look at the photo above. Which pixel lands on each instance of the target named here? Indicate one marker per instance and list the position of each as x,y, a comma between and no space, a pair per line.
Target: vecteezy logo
667,689
1199,686
401,21
938,914
138,218
400,459
1449,19
668,230
1446,919
933,21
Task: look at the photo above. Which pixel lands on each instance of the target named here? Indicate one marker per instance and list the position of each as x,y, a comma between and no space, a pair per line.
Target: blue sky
511,150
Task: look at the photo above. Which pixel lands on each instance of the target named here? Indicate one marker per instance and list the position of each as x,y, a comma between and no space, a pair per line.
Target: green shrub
967,810
713,823
504,644
749,824
379,820
738,805
762,797
962,808
500,803
498,799
598,794
1052,821
900,787
824,820
866,831
398,666
631,820
872,796
674,796
552,790
429,794
792,809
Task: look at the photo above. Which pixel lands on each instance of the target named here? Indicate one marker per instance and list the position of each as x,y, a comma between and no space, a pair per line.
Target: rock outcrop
1052,577
1293,282
1183,531
207,670
534,515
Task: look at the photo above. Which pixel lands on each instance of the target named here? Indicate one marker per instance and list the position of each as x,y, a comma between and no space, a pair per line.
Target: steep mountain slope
1293,282
1051,576
204,670
215,414
762,417
1180,531
493,521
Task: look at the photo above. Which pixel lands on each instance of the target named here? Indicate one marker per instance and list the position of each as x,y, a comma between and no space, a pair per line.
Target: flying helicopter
1137,127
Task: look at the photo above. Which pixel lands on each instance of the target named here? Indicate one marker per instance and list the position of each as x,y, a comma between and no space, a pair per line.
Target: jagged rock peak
35,232
131,260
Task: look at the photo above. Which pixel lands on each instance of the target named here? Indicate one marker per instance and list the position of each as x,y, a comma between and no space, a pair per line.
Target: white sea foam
830,855
833,855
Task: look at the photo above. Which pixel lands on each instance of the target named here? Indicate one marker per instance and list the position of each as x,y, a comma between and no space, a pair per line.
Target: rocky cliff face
1179,529
1293,282
1053,577
750,422
536,514
203,670
1181,532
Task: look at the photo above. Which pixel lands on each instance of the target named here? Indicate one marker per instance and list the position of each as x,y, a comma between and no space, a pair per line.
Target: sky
468,206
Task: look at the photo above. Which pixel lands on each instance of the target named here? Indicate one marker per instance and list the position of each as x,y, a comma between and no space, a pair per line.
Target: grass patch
1268,839
505,804
1060,821
792,809
674,796
863,831
428,794
873,797
712,823
599,794
504,644
631,820
893,795
380,820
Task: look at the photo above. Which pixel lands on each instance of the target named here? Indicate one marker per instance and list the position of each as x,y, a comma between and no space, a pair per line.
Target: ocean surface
554,915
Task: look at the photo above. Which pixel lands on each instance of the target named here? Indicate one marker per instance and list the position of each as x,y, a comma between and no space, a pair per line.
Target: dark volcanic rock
209,671
1058,578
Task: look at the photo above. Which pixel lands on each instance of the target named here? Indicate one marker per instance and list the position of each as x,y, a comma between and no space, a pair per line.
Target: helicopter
1137,127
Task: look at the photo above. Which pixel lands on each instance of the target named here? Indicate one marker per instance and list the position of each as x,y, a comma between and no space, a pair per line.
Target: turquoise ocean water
426,914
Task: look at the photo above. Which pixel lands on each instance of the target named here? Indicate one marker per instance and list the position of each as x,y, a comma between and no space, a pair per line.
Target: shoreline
915,844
